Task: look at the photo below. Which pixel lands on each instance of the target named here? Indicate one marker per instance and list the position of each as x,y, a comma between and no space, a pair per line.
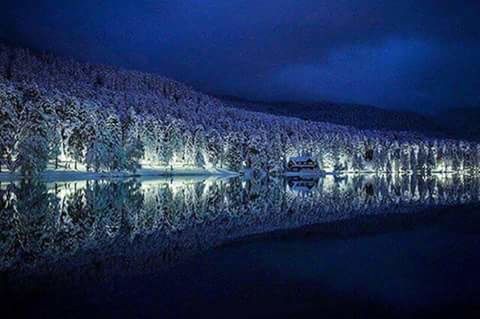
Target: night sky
409,54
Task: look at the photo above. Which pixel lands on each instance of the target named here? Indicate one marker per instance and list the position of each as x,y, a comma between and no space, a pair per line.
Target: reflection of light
328,163
64,190
329,183
176,184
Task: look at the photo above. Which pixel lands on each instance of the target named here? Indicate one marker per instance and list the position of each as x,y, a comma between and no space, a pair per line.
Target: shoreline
150,172
72,175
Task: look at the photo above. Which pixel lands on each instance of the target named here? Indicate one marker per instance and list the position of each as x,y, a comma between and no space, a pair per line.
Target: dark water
361,246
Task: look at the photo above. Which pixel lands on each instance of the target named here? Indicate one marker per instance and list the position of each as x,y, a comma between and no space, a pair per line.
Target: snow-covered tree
233,156
199,147
213,148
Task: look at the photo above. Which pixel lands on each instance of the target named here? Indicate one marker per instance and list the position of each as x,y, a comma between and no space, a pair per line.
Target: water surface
375,245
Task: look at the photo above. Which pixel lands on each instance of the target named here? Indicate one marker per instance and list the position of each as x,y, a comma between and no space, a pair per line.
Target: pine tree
199,148
165,151
112,138
189,148
150,140
214,148
12,125
33,153
176,138
233,152
131,141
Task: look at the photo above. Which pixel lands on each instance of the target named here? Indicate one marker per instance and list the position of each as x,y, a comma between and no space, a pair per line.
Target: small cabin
296,164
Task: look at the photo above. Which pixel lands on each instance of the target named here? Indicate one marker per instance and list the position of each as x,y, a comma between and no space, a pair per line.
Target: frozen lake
375,245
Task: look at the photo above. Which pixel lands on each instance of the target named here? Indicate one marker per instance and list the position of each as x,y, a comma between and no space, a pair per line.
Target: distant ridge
355,115
461,122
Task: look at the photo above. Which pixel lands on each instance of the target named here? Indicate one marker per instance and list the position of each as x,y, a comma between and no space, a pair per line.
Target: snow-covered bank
71,175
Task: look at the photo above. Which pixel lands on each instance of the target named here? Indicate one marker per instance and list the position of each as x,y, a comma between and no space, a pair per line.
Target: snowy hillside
63,114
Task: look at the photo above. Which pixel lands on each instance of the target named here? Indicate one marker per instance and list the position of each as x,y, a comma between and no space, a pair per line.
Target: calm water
359,246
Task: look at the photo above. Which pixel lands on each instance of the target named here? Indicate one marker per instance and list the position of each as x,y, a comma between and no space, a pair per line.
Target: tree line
61,114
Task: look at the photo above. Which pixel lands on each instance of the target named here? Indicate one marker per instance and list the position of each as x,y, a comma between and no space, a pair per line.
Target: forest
60,114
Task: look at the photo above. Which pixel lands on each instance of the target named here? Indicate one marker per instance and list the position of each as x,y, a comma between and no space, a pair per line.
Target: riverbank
71,175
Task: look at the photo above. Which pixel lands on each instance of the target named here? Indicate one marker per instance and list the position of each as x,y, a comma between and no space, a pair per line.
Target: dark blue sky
409,54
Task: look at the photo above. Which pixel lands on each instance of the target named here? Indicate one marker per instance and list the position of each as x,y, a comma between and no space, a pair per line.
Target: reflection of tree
42,223
8,240
213,202
34,218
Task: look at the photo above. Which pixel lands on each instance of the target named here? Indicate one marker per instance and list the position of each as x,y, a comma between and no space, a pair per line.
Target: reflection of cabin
296,164
302,185
369,190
